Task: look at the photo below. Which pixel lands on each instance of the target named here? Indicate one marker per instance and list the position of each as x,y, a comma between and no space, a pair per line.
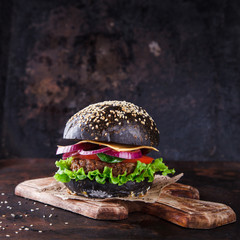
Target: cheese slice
118,147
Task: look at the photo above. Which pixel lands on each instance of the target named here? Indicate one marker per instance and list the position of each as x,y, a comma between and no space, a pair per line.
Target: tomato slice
143,159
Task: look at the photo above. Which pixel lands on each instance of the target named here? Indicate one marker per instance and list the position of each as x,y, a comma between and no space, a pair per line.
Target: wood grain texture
186,210
182,190
92,209
191,213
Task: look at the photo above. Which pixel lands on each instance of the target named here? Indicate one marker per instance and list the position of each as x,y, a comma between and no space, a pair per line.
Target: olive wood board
178,203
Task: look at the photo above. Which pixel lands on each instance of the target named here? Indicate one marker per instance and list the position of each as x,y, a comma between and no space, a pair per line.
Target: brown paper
60,190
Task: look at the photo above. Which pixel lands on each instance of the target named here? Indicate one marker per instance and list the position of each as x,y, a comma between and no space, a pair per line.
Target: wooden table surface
25,219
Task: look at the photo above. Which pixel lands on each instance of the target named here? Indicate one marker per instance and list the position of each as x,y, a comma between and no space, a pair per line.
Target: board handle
191,213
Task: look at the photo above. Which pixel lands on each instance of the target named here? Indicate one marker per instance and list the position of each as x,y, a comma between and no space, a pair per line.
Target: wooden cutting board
177,203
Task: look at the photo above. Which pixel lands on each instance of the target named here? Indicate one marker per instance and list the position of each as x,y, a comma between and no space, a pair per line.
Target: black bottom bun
94,189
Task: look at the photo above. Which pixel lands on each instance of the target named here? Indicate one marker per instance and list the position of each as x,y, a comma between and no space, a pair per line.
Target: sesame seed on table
26,219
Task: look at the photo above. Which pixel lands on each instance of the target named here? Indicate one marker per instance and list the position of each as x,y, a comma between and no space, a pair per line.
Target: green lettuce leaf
142,171
109,159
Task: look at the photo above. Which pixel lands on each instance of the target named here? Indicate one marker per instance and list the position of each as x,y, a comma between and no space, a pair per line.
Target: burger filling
104,164
91,165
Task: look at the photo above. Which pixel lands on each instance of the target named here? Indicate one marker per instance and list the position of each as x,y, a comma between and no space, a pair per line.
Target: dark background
177,59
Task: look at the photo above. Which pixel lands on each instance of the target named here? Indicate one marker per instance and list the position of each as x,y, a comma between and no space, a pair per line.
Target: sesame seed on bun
113,121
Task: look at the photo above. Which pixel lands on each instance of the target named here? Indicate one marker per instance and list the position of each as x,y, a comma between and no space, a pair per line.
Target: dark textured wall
177,59
5,27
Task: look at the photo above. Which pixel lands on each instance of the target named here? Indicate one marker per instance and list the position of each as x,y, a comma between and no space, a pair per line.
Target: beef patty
91,165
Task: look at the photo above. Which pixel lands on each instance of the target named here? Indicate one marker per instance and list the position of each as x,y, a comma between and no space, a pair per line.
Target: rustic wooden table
25,219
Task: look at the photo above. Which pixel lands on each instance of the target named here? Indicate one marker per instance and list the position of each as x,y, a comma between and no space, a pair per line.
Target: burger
109,157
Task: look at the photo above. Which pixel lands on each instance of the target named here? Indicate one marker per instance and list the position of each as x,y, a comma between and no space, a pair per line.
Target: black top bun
113,121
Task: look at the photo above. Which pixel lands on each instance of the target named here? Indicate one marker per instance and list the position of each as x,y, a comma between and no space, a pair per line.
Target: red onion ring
75,148
81,149
69,149
126,155
101,150
84,153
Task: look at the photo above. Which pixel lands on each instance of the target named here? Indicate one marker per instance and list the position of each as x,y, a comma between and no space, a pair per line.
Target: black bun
94,189
113,121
